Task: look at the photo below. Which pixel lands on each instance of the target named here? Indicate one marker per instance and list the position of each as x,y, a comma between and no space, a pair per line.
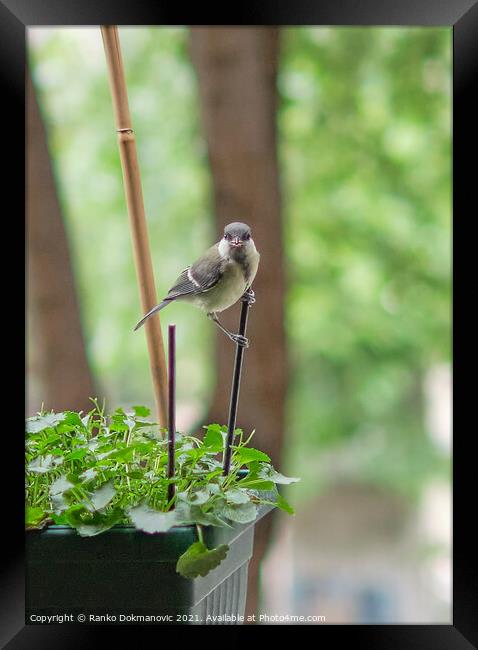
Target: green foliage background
365,149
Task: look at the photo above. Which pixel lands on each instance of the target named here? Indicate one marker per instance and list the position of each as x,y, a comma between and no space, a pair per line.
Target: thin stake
236,382
134,200
171,405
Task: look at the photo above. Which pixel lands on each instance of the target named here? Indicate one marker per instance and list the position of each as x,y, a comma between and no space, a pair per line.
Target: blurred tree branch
58,372
237,70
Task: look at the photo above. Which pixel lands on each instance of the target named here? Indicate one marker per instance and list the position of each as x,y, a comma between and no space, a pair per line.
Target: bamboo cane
139,232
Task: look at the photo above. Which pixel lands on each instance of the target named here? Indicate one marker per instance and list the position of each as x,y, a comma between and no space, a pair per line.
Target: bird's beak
236,242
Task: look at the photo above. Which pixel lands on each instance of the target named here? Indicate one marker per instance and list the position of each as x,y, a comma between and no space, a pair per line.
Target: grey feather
151,312
202,276
208,270
183,286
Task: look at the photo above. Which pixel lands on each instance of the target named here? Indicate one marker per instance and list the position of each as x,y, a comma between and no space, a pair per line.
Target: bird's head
237,236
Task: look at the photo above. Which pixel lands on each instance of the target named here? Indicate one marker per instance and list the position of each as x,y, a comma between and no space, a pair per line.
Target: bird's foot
249,296
240,340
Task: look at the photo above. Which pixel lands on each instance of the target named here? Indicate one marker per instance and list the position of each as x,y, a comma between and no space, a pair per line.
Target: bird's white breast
253,263
227,291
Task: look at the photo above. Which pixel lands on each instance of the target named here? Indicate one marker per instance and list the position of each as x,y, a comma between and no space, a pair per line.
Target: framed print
301,174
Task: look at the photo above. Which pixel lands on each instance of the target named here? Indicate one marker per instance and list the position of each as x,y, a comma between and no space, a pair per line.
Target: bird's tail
151,312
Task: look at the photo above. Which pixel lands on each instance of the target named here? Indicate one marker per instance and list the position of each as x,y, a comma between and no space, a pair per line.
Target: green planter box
125,573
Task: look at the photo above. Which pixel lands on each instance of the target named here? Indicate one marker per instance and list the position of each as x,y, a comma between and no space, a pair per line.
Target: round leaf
199,561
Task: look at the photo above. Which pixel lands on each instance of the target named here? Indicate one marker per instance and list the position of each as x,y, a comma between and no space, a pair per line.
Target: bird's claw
240,340
249,296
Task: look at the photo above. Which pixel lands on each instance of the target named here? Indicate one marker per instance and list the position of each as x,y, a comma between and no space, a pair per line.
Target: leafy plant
94,471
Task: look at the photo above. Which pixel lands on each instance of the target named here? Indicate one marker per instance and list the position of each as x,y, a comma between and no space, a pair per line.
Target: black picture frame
462,16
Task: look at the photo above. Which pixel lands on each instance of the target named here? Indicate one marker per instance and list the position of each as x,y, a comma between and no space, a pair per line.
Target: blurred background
334,145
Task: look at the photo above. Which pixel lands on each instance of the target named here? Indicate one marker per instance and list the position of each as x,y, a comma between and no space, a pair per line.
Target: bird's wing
201,276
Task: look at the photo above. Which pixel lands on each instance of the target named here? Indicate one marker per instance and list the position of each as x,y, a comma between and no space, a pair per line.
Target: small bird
219,278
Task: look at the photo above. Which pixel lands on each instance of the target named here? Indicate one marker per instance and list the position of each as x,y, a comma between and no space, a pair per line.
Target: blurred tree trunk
58,372
237,69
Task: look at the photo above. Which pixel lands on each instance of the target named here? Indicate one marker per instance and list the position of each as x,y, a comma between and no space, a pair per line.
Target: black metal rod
236,382
171,405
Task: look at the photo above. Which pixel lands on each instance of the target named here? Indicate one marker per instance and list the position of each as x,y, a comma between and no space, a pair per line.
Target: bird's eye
248,236
227,236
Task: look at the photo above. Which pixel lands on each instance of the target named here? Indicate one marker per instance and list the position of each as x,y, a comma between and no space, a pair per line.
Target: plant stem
200,533
35,486
230,479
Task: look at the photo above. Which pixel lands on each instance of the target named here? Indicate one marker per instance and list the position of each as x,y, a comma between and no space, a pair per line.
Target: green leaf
284,505
73,418
188,514
254,467
85,420
70,422
258,484
183,512
126,453
152,432
34,516
89,524
53,437
242,513
248,454
93,444
38,423
214,437
119,421
88,475
211,475
237,496
77,454
152,521
60,485
271,474
135,473
59,503
59,519
101,497
41,465
198,497
198,560
141,411
208,518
